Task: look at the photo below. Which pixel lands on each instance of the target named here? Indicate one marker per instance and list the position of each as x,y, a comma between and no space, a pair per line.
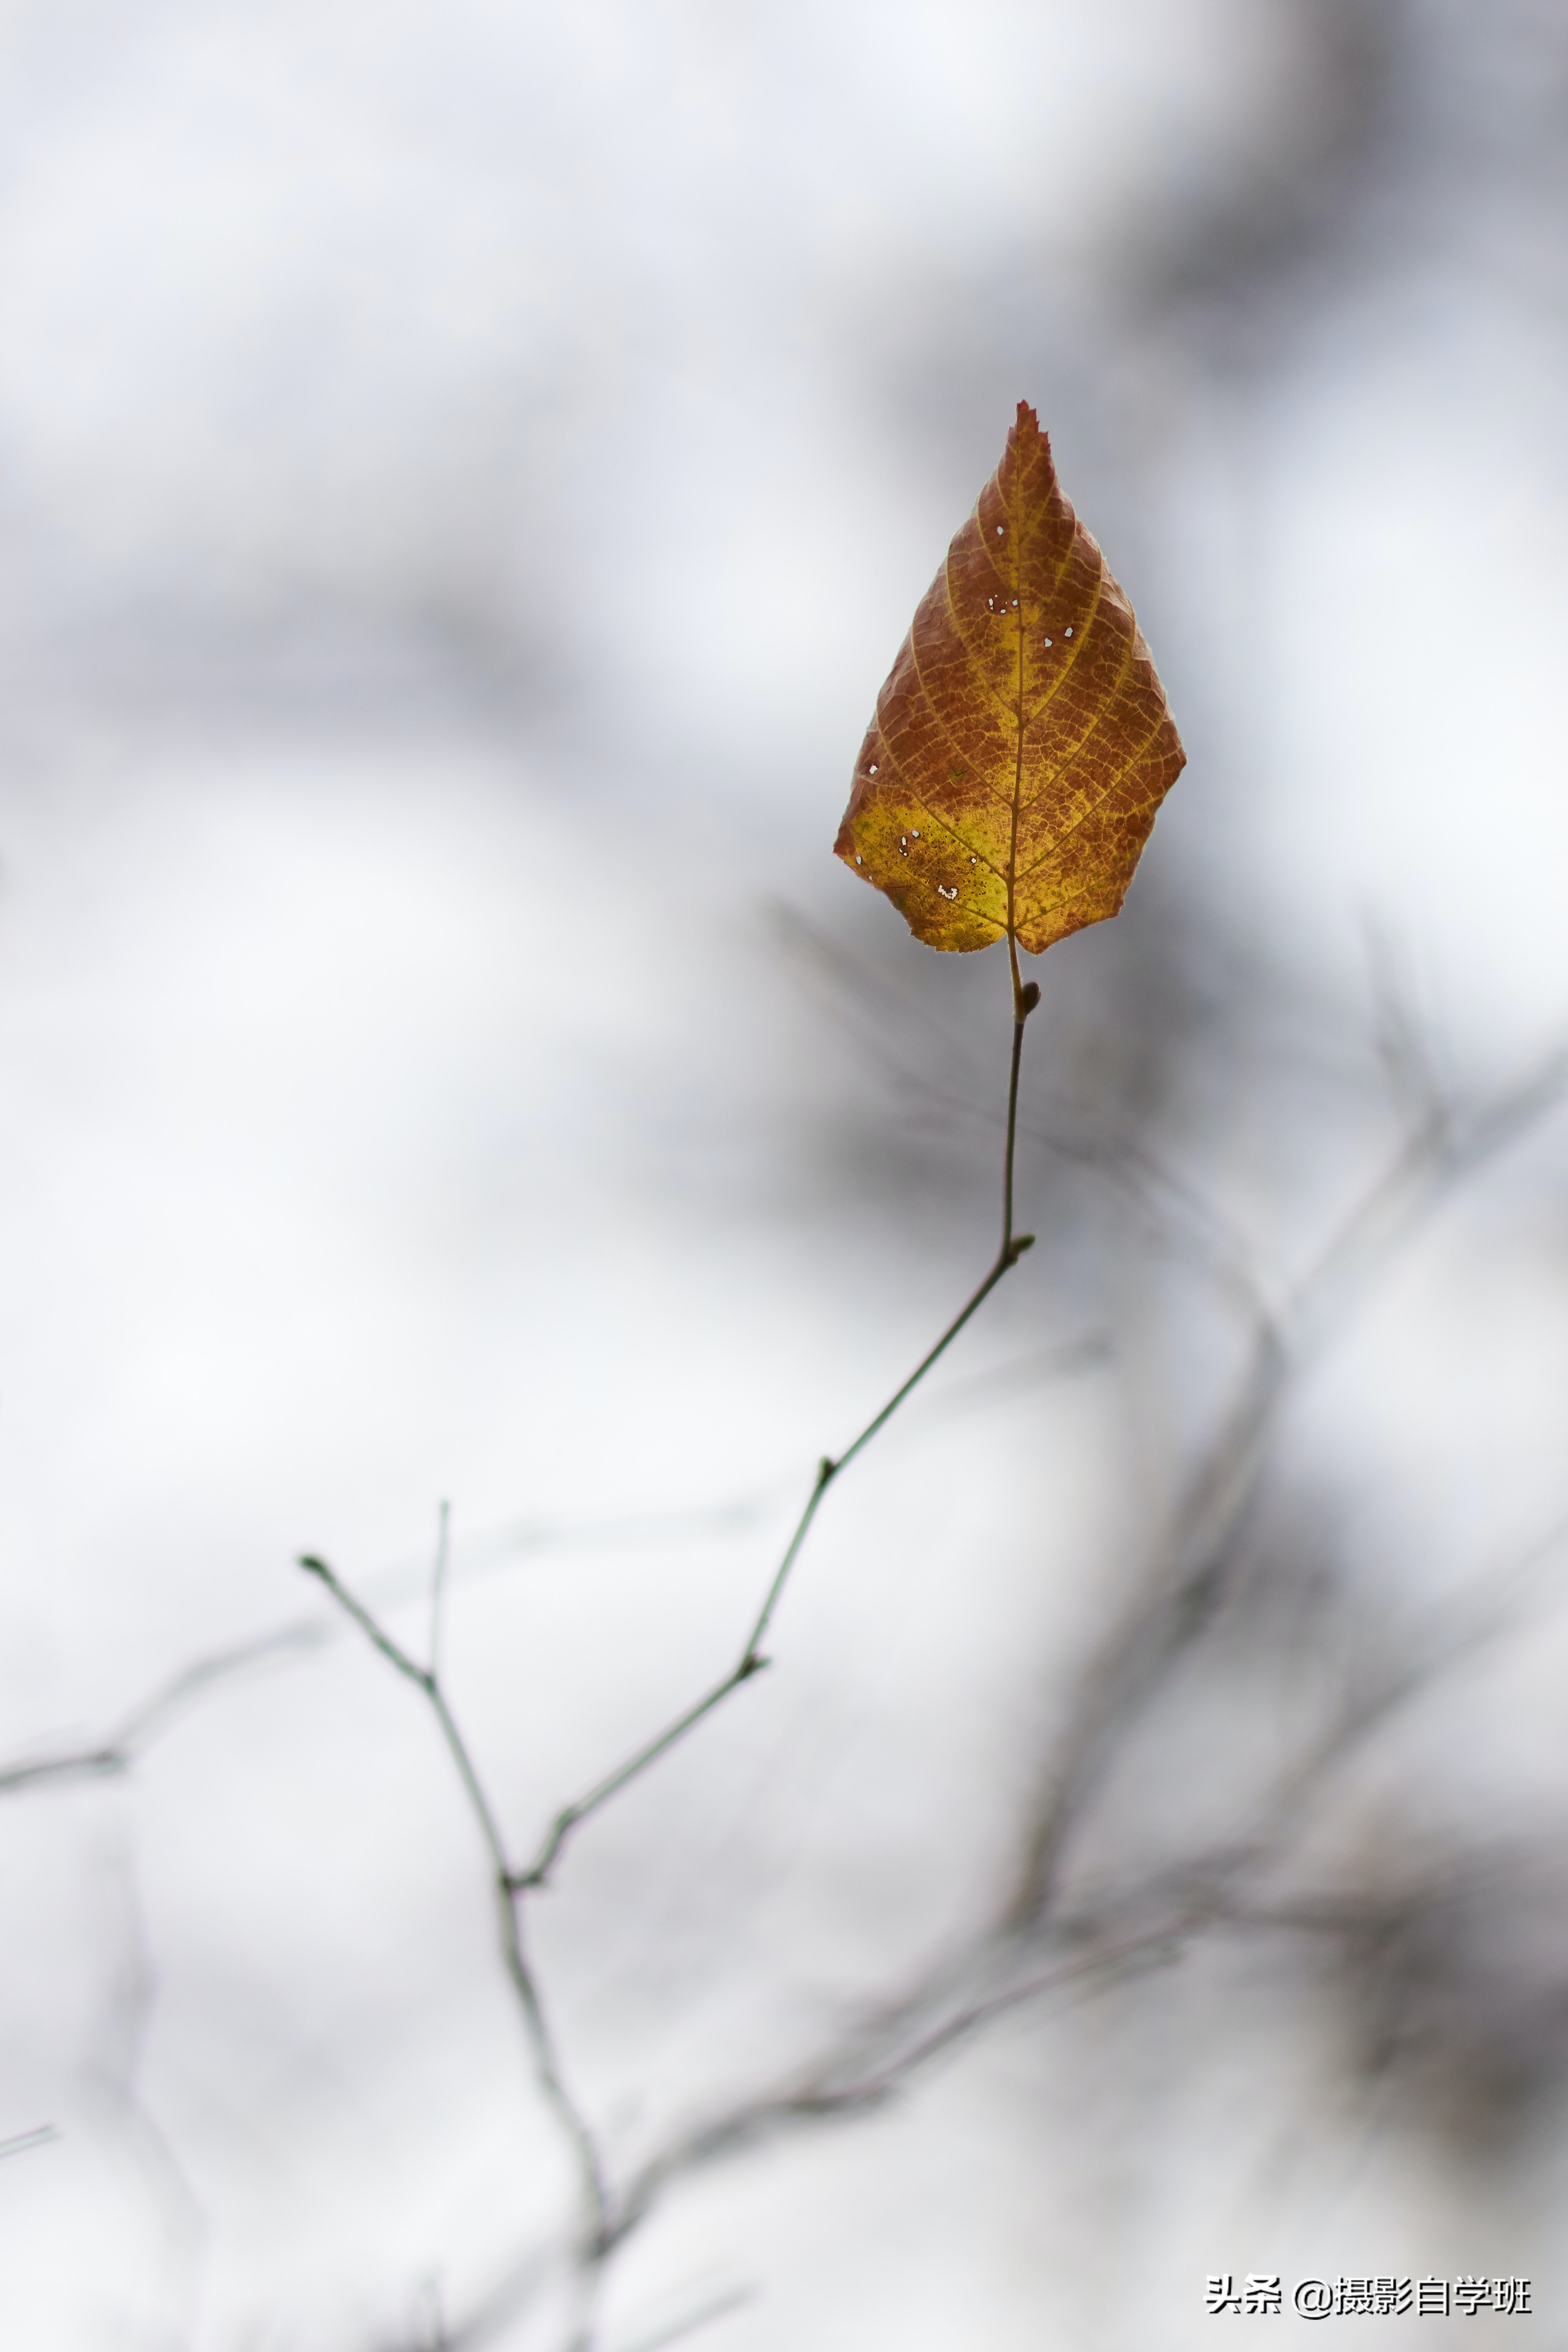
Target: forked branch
608,2220
519,1972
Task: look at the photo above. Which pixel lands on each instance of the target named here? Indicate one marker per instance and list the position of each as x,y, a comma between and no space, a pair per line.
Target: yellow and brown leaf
1021,746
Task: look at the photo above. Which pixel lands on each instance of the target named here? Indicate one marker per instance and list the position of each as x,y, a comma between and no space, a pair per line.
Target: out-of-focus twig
879,2058
1188,1579
120,1749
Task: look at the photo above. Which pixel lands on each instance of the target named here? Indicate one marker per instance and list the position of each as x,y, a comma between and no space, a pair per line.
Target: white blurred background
465,473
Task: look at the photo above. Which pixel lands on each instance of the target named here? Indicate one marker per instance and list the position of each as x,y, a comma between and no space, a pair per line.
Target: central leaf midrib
1017,760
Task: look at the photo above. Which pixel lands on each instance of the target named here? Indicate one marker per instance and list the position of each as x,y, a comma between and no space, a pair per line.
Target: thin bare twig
119,1749
546,2063
1010,1249
607,2222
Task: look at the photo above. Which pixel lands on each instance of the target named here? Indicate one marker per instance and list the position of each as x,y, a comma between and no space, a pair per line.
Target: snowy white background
464,473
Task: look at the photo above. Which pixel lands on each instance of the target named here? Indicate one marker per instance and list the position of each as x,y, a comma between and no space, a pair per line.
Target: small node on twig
312,1565
751,1665
1019,1243
1028,997
825,1469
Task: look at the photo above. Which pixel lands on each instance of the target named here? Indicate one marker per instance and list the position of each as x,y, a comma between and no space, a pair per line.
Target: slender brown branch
608,2223
120,1749
1010,1249
546,2064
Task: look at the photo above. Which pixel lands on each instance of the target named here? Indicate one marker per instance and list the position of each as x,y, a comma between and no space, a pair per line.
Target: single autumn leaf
1021,746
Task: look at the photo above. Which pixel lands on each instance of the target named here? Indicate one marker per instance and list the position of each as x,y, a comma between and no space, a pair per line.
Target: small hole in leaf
1048,641
914,836
1067,632
872,769
998,530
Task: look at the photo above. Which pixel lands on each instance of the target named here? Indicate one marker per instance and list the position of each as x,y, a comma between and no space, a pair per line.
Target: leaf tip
1027,425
